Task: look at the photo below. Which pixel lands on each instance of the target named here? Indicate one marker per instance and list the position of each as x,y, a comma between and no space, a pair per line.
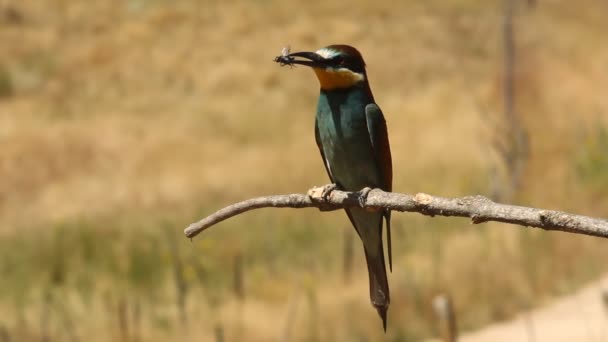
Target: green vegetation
593,159
100,269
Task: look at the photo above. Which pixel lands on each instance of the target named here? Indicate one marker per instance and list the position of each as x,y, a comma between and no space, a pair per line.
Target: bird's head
336,66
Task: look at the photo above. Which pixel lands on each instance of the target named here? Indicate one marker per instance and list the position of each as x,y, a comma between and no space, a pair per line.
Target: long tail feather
378,282
389,244
369,227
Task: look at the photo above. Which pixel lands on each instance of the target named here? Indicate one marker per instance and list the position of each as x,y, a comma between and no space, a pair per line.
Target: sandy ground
578,317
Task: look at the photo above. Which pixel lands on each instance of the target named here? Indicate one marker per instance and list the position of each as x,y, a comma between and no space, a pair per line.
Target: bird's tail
369,227
378,282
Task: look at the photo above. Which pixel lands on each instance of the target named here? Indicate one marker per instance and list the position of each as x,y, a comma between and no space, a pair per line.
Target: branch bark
478,208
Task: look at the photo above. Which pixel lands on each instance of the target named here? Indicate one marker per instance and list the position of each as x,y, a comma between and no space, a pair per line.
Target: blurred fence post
123,319
529,321
512,142
5,335
444,310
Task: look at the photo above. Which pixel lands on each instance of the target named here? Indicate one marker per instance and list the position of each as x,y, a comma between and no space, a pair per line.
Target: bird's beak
310,59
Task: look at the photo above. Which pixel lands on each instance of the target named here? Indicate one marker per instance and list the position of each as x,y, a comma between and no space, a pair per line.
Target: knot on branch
555,218
423,203
423,199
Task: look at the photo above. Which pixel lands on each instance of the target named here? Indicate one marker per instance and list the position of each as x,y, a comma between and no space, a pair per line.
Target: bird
351,134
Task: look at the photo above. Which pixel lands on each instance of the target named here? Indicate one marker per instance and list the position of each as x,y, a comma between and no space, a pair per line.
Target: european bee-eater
351,134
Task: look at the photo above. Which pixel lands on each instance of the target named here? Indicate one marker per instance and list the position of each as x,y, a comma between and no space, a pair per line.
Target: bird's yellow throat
337,78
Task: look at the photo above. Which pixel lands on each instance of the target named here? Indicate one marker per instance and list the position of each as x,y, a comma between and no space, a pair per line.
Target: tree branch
478,208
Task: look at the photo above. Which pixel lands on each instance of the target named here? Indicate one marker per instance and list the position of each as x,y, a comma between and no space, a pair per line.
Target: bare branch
478,208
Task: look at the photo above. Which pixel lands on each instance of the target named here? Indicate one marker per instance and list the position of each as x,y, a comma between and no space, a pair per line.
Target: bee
284,58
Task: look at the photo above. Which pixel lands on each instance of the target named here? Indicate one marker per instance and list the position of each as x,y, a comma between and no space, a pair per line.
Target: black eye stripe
348,62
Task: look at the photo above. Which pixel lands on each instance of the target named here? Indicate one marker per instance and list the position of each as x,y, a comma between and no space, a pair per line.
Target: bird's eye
339,60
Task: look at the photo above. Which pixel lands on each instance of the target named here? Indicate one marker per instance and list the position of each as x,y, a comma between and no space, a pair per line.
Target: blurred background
122,121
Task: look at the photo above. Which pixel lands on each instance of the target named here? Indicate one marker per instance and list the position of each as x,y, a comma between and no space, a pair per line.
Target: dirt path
578,317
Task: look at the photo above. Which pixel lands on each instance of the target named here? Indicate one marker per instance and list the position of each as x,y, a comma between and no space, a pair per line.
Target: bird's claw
327,189
321,192
363,196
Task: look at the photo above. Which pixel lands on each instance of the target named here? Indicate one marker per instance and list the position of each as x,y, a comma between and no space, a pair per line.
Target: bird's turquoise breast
345,140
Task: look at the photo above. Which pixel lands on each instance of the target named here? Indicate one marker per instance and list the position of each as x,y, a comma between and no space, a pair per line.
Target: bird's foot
363,196
321,192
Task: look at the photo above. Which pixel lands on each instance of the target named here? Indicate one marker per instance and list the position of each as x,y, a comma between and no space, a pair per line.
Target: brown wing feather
378,134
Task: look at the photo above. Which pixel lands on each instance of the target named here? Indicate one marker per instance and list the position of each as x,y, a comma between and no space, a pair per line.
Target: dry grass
131,115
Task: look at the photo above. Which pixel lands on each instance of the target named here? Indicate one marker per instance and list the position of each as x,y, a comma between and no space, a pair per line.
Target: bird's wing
378,134
376,126
320,146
